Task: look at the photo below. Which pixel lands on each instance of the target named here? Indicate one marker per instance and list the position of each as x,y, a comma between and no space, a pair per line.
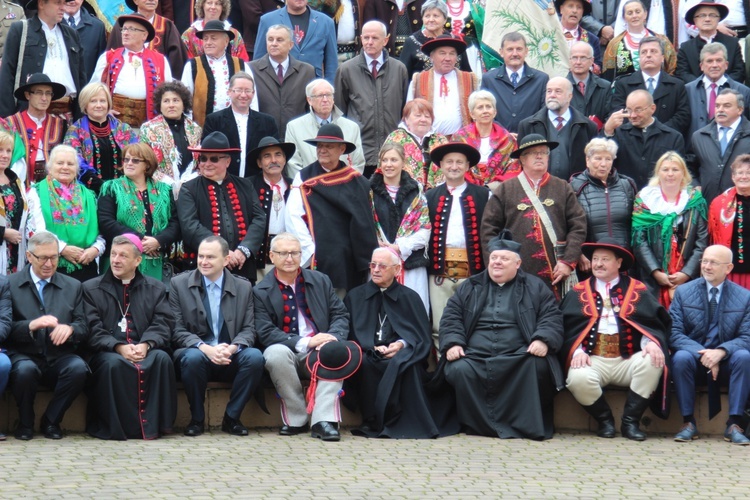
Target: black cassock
390,392
129,400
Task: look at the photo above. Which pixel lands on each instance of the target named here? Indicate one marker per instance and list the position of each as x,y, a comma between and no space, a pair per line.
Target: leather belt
607,346
456,263
132,111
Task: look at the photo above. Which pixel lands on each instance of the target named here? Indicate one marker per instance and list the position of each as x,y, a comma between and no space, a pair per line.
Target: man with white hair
591,94
560,123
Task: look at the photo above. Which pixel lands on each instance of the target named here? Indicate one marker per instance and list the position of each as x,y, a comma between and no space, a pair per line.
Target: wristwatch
245,250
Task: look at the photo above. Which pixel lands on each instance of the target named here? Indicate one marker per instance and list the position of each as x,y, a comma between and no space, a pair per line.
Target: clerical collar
645,129
509,282
125,282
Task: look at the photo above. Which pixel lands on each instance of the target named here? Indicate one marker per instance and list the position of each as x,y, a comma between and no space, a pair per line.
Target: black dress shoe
194,428
25,433
233,426
290,430
50,430
326,431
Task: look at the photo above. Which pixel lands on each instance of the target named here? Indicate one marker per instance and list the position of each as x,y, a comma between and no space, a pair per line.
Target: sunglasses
212,159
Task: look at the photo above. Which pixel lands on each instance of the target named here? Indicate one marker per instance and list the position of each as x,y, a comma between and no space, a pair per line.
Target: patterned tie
712,303
280,73
72,21
723,139
650,86
712,102
374,65
582,88
514,79
559,125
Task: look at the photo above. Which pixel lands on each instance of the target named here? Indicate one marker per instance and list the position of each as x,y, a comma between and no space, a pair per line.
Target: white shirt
447,109
241,121
655,77
369,61
707,86
455,237
131,82
218,66
485,149
217,296
276,222
57,64
275,66
552,116
345,28
607,321
736,16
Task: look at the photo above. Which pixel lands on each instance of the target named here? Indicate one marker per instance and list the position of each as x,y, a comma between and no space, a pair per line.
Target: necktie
374,65
213,300
723,139
650,86
72,21
131,55
559,120
712,102
280,73
324,122
443,86
514,79
712,303
42,284
582,88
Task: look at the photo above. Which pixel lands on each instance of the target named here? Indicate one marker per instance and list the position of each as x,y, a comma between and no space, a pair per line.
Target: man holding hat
39,130
499,336
444,86
456,210
329,211
393,330
133,71
221,204
133,393
207,76
165,40
706,16
297,314
273,189
615,334
545,210
50,47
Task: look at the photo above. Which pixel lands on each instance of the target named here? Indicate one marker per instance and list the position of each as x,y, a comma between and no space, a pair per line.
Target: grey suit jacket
191,319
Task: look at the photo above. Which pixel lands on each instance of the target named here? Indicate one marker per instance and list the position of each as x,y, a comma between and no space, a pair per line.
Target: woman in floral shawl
492,140
669,228
212,10
415,135
729,220
69,212
136,203
18,220
621,56
98,137
402,217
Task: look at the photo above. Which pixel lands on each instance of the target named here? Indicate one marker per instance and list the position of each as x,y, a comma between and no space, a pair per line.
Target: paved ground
266,465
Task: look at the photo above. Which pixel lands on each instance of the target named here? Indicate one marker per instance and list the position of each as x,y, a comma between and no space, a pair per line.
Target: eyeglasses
713,263
134,161
44,260
580,58
322,96
244,91
42,93
637,111
286,255
127,29
212,159
706,16
538,154
377,265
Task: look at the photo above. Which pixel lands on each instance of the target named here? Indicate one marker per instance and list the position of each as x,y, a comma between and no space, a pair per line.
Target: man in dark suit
591,94
314,36
561,123
672,106
214,335
242,126
706,16
297,311
219,203
48,326
710,343
518,88
281,92
91,32
38,56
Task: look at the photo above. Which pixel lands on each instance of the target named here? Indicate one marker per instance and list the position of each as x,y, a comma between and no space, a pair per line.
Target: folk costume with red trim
153,71
266,196
424,88
51,134
728,219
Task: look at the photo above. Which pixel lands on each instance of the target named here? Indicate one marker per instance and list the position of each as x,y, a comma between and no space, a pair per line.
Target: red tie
374,65
443,86
712,102
139,55
559,125
280,73
582,88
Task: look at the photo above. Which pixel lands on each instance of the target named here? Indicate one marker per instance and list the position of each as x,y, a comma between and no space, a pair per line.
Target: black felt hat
610,244
332,134
214,27
58,89
137,18
335,360
445,40
531,140
287,147
586,6
215,142
690,14
471,153
504,241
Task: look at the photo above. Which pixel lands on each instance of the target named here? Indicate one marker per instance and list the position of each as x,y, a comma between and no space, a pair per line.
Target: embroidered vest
205,85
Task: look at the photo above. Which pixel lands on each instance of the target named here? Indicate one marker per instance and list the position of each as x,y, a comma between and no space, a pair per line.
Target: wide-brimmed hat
504,241
137,18
335,360
215,142
531,140
586,6
471,153
723,10
446,40
58,89
332,134
287,147
610,244
214,27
